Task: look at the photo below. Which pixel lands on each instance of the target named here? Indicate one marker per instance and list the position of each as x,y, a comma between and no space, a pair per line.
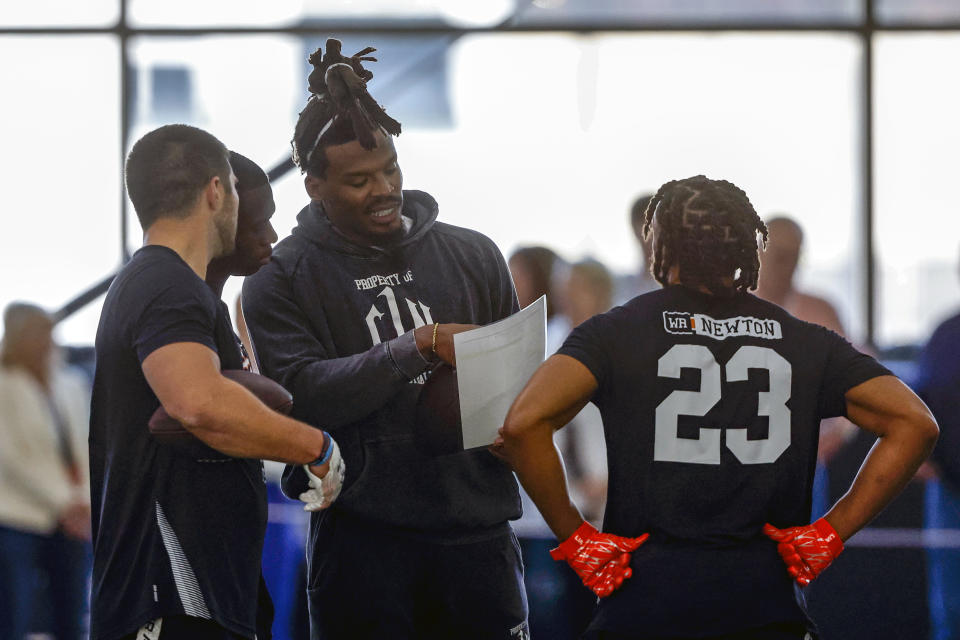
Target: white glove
323,491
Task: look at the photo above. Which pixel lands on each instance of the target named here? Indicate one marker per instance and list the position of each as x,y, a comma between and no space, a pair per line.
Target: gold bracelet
433,345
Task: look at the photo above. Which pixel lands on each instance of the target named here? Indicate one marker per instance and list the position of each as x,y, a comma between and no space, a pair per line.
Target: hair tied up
343,81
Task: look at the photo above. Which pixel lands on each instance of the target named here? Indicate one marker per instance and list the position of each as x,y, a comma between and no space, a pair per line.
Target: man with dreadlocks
711,400
351,315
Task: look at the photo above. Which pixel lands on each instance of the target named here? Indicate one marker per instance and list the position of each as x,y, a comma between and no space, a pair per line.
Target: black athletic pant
370,584
188,628
781,631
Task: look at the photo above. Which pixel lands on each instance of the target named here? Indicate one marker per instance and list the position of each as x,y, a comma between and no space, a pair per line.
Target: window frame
864,30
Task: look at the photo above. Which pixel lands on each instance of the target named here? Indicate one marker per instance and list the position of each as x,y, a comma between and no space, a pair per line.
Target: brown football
166,430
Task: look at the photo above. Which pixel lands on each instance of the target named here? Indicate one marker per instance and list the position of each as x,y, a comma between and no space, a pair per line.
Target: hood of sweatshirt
314,226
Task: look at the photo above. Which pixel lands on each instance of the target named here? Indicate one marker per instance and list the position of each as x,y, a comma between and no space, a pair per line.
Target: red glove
602,560
808,550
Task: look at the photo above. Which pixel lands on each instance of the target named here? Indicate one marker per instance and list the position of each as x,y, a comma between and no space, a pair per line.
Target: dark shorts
185,628
783,631
368,584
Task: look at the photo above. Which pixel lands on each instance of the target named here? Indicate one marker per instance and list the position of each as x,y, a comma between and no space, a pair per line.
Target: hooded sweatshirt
332,321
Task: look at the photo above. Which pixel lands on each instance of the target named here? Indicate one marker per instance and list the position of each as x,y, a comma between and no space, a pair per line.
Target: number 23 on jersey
705,449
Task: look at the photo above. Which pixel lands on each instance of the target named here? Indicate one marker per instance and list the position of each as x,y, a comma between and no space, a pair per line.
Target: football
437,417
166,430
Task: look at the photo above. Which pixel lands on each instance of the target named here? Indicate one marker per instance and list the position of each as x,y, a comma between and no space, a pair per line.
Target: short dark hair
708,227
168,167
339,110
249,174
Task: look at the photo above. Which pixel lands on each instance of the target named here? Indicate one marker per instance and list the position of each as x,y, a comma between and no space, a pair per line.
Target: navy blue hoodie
332,321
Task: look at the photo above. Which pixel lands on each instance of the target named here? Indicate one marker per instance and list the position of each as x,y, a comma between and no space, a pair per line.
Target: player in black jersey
178,537
252,250
711,400
255,233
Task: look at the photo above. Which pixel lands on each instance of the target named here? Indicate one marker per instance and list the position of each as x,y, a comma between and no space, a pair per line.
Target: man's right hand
326,481
444,343
602,560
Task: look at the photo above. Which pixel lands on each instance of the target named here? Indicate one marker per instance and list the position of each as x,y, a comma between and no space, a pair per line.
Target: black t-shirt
711,409
173,532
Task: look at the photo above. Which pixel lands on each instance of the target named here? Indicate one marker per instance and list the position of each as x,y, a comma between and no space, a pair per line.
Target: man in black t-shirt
711,400
252,249
255,236
178,533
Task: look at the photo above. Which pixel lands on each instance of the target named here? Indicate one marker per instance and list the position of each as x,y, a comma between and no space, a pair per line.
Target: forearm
540,469
297,349
236,423
326,391
889,465
556,392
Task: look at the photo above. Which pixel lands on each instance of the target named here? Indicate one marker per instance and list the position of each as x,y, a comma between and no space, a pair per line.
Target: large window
60,169
923,12
573,13
555,156
59,13
918,226
535,121
243,89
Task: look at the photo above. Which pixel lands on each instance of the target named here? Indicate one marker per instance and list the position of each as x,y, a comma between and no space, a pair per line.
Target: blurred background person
634,284
552,596
777,277
777,284
535,271
44,482
588,290
938,384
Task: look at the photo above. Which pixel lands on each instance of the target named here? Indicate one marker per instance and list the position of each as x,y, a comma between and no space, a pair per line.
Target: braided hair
339,110
709,229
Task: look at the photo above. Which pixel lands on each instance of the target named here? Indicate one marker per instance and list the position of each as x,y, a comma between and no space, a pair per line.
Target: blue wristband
327,452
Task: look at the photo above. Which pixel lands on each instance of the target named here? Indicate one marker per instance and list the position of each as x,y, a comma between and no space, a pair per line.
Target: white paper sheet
493,365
